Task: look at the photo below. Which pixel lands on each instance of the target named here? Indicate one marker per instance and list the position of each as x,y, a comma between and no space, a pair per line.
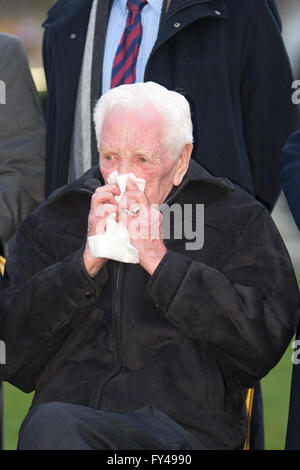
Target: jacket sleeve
246,311
290,174
40,301
22,139
269,115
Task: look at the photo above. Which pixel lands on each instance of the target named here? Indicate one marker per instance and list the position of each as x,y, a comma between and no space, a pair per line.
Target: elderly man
156,353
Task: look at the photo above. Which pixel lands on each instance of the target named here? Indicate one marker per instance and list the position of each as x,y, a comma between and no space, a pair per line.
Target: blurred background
24,19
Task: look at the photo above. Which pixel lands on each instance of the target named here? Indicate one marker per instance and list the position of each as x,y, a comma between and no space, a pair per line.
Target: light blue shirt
150,18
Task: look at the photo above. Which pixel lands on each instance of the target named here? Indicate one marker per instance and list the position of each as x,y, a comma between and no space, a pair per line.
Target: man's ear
182,163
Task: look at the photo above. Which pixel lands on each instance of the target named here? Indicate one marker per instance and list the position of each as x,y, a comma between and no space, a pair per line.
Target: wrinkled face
131,142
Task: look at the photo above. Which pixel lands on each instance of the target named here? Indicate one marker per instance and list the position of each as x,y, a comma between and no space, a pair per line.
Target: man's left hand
144,225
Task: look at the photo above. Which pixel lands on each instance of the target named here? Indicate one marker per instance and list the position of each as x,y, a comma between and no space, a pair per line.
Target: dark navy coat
229,59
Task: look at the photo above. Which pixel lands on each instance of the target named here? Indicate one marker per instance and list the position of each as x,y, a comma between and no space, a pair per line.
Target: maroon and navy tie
123,70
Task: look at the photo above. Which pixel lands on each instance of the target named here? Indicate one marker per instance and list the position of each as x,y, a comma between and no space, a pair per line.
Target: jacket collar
197,172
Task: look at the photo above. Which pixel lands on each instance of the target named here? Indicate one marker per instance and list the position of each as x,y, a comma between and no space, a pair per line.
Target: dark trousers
64,426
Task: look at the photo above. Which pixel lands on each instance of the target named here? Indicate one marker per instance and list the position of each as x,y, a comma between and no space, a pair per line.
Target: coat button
176,25
217,12
72,36
88,295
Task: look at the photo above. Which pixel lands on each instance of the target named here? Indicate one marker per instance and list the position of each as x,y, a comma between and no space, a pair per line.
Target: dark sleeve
246,311
290,174
268,112
40,301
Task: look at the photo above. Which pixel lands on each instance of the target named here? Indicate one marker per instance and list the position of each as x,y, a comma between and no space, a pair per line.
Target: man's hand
144,228
103,203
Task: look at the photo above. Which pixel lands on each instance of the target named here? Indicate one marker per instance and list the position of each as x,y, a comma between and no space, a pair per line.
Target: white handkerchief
114,243
121,181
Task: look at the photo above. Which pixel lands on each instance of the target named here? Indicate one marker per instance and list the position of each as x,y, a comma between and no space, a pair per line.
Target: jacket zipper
116,316
116,336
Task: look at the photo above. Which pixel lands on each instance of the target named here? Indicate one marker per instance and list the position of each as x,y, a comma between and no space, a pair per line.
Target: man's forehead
134,127
145,116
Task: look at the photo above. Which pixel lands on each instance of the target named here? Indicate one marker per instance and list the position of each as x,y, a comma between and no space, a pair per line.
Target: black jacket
226,56
188,340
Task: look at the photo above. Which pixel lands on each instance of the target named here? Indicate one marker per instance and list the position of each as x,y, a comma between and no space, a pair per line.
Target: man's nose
124,167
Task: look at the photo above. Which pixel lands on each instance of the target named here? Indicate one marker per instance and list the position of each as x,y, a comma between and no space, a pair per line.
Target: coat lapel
69,20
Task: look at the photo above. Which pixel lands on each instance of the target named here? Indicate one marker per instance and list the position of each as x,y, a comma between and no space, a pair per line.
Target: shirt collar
155,4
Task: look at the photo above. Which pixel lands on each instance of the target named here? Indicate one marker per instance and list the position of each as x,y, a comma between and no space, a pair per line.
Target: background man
216,51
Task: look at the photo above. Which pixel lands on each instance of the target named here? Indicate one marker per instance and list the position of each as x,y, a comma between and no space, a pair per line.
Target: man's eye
109,158
143,160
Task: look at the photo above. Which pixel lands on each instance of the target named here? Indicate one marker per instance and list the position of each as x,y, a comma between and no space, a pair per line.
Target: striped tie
125,59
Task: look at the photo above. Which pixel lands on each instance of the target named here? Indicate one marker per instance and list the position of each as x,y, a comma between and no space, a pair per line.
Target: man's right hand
103,203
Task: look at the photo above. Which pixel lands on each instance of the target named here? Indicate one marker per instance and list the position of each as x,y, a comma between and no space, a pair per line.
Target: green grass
276,395
16,405
276,390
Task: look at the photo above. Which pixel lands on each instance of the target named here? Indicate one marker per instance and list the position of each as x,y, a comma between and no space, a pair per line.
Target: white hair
173,108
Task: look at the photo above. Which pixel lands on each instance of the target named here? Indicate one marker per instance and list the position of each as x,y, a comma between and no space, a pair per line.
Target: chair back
248,404
2,265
